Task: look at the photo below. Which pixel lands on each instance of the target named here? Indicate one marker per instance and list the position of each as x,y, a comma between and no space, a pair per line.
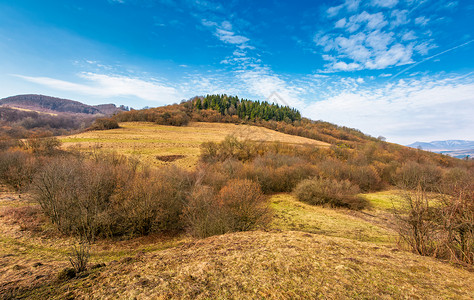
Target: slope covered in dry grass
271,265
308,252
147,141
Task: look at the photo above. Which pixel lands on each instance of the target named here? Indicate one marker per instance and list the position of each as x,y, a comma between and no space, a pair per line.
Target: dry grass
310,252
32,252
147,141
273,265
30,110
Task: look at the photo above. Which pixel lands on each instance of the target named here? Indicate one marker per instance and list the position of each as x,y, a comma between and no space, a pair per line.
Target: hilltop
26,116
159,145
41,103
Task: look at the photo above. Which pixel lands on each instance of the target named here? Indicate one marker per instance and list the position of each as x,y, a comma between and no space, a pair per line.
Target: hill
236,200
25,116
159,145
272,265
307,252
49,104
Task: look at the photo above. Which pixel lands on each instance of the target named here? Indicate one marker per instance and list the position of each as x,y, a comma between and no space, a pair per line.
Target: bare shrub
366,177
46,146
175,189
230,148
202,215
417,225
104,124
333,169
243,205
79,256
17,169
318,191
212,175
138,205
457,215
412,175
275,180
154,202
441,225
76,194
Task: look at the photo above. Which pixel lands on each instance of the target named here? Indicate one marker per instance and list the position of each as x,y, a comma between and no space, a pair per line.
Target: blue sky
403,69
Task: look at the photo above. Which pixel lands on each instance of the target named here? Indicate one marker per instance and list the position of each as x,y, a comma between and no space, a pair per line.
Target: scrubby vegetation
231,109
104,124
108,195
19,124
336,193
243,185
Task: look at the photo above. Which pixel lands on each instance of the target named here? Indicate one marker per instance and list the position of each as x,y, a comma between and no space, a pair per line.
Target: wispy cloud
405,111
373,35
263,83
433,56
385,3
226,34
112,86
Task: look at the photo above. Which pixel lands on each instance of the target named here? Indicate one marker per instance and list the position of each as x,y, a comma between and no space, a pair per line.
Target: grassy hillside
308,252
281,209
160,144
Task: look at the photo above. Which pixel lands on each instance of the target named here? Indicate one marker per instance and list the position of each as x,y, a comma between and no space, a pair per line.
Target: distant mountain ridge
455,148
49,104
444,145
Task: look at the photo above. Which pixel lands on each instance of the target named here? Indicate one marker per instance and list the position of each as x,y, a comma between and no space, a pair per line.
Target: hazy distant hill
455,148
43,103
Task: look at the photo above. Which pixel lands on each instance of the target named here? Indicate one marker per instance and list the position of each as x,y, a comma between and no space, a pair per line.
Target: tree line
246,109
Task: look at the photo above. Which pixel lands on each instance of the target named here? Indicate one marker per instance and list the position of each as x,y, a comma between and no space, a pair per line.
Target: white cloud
423,21
405,111
349,5
385,3
225,33
369,39
399,17
424,48
409,36
374,50
261,82
112,86
342,66
371,21
352,5
341,23
230,37
204,5
333,11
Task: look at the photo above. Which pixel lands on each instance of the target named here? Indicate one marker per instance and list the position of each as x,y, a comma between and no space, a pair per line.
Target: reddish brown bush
243,205
17,169
104,124
319,191
412,175
203,216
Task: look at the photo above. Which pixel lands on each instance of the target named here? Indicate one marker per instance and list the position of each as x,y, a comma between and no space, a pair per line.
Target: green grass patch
290,214
385,200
